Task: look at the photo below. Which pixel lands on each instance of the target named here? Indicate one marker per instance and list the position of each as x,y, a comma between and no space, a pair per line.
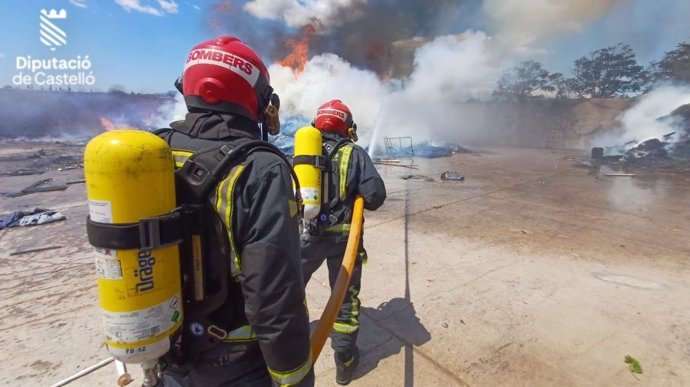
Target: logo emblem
196,328
52,35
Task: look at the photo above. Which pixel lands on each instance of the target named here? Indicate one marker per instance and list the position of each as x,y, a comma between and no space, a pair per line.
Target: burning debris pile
649,153
431,151
66,115
670,149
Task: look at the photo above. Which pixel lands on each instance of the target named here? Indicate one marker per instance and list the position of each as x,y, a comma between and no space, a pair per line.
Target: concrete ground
531,272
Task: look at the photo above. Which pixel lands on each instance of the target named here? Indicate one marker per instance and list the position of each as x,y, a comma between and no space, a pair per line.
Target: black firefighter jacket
255,202
352,174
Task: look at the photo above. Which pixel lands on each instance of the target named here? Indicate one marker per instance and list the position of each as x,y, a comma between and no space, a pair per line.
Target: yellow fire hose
318,339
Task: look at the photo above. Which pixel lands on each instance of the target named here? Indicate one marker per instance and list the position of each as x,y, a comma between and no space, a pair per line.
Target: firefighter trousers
224,365
314,252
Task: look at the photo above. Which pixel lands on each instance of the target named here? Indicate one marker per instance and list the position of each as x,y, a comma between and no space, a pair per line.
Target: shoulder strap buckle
217,332
150,231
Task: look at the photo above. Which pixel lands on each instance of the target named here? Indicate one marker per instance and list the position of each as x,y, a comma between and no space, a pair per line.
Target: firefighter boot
345,364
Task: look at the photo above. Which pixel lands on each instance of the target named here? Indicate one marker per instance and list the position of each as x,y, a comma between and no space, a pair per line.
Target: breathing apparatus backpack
313,165
144,245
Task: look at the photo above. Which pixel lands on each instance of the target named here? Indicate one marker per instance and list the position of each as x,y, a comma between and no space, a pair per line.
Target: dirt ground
532,272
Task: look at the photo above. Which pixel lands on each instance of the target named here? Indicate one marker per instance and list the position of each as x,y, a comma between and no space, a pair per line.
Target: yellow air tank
308,146
129,176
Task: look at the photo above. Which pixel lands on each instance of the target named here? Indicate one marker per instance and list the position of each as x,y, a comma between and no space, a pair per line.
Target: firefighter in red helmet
245,320
351,173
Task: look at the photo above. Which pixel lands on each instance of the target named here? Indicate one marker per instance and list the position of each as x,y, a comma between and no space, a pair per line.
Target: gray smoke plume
407,67
34,114
404,68
377,35
382,35
448,70
650,117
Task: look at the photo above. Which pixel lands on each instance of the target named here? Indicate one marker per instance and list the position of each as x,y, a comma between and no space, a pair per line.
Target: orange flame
107,124
298,58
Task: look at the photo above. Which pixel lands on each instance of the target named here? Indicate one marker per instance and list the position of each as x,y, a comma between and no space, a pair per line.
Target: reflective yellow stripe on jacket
343,157
344,153
339,228
290,378
223,202
180,156
241,334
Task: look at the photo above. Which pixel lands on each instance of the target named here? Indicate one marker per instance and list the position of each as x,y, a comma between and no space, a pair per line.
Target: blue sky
651,27
141,44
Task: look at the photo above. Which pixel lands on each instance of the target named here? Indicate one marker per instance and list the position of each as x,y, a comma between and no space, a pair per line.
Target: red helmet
335,116
226,75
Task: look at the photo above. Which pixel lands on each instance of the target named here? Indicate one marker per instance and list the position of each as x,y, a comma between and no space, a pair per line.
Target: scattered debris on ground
394,163
30,218
50,157
429,150
619,174
452,175
24,172
39,186
670,151
36,249
421,178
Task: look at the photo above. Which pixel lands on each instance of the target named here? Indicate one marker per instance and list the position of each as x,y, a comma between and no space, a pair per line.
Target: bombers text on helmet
226,75
334,116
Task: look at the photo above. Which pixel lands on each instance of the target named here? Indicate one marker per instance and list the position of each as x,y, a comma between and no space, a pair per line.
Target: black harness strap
195,180
203,170
317,161
147,234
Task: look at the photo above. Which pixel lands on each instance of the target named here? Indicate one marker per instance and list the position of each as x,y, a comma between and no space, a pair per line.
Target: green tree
562,87
609,72
675,65
523,81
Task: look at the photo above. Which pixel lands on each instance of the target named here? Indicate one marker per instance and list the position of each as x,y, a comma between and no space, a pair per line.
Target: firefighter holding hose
349,173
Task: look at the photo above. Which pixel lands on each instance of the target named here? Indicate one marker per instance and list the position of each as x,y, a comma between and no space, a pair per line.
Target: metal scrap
39,186
24,172
452,175
416,178
395,163
36,249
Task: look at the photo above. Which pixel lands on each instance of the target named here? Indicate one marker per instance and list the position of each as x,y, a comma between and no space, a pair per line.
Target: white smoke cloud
169,112
522,22
297,13
447,70
648,118
327,77
454,68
